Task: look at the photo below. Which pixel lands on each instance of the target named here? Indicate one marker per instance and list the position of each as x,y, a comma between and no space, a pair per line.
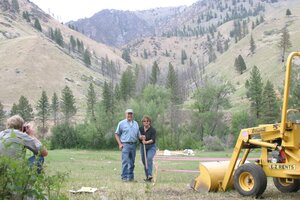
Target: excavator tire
250,180
283,186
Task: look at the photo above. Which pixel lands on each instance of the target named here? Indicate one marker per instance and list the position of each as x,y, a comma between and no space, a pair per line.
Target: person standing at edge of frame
127,134
148,146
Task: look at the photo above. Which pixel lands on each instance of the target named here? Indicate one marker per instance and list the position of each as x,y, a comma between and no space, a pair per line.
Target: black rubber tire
284,187
250,180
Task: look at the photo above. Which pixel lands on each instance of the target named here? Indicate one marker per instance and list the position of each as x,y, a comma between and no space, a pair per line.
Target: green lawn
101,169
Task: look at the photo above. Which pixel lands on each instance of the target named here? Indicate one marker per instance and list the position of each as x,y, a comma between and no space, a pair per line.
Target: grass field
101,170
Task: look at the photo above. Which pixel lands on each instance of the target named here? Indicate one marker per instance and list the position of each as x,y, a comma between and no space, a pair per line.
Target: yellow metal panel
211,175
233,160
262,144
293,155
292,138
282,170
266,131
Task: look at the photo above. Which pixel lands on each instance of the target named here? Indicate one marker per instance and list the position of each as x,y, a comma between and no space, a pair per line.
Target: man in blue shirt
127,135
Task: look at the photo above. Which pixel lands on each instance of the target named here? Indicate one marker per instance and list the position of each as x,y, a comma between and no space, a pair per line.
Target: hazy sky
67,10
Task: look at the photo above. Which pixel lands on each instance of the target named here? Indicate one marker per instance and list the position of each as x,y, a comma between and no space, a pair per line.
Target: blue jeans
128,159
150,153
37,161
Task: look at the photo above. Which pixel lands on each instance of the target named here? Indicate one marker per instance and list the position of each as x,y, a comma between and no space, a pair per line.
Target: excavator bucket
211,176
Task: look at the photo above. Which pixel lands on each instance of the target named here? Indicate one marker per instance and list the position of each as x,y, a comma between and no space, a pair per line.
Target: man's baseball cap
129,111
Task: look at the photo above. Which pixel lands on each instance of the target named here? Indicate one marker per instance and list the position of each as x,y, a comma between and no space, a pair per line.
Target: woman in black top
148,146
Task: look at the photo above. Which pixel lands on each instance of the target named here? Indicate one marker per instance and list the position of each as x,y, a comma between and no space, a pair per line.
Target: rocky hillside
117,28
113,27
197,35
34,58
211,51
185,36
200,40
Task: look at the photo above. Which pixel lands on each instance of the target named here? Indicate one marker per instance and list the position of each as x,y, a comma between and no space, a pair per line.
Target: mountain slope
114,27
30,59
267,56
32,62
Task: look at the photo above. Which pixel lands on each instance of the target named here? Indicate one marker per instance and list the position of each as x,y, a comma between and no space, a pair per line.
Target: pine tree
211,52
254,92
5,5
68,107
127,84
154,73
237,65
284,43
25,109
87,57
252,45
2,116
145,54
26,16
43,111
51,33
288,12
54,108
270,108
80,46
245,28
237,30
73,43
219,46
240,64
58,37
261,19
107,96
37,25
117,92
183,56
172,84
226,45
167,54
126,56
91,102
15,5
14,109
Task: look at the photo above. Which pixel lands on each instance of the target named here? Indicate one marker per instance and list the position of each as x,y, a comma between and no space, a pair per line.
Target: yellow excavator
279,146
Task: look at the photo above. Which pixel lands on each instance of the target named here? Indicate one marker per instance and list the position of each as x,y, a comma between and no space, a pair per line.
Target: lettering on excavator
258,130
282,166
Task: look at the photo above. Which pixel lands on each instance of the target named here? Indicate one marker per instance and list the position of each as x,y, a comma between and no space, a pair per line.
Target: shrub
189,142
64,136
89,136
19,181
213,143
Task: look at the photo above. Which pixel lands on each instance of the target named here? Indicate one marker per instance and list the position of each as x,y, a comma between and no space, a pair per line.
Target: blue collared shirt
128,131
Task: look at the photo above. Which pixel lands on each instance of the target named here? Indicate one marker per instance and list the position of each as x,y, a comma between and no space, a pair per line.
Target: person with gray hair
17,137
127,135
